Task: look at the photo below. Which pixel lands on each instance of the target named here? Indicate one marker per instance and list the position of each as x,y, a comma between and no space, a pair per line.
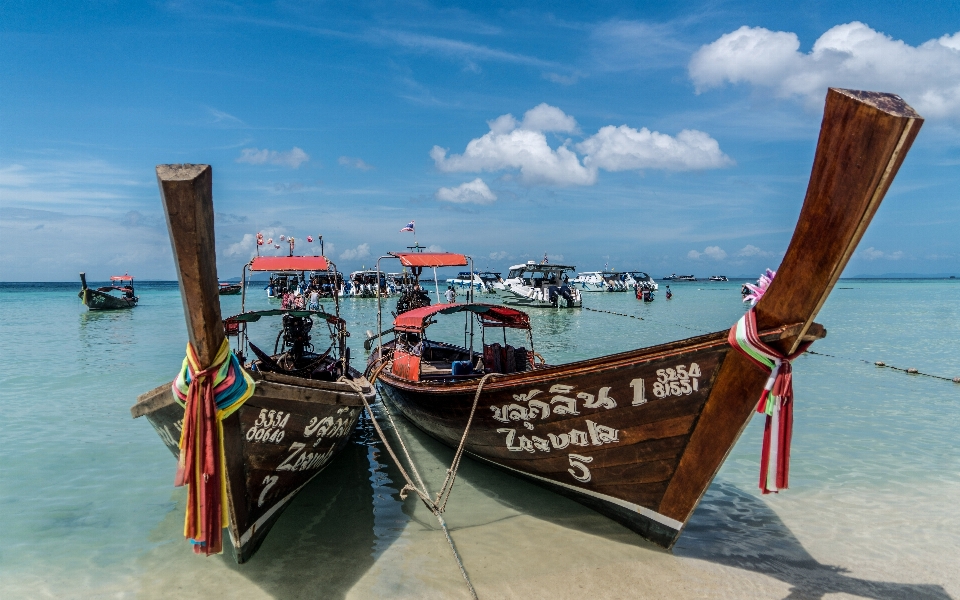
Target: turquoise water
88,508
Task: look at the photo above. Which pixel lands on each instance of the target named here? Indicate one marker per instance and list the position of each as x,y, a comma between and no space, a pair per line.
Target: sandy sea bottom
88,509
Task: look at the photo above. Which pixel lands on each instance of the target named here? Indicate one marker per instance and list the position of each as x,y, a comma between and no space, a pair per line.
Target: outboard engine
565,292
296,336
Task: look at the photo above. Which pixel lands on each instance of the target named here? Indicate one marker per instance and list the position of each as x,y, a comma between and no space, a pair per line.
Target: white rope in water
438,506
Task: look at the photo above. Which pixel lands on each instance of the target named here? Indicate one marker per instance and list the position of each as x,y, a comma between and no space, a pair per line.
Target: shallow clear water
88,507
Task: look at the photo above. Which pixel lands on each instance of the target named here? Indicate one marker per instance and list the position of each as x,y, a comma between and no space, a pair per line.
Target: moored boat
720,278
279,417
483,282
640,435
641,279
540,285
119,294
600,281
230,289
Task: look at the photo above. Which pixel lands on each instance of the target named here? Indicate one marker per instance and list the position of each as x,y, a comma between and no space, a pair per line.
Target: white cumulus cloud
693,254
292,158
523,145
471,192
751,250
502,254
361,251
627,149
851,55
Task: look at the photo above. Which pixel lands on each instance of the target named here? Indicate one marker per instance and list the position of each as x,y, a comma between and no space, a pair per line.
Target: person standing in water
669,293
451,294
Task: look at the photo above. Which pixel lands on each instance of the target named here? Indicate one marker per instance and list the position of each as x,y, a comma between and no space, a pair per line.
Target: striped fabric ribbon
208,396
776,400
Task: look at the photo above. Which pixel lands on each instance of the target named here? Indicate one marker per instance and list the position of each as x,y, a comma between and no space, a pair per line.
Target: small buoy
956,379
880,363
912,371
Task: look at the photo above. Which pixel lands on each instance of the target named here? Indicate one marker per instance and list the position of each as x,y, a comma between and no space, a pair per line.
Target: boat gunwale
601,363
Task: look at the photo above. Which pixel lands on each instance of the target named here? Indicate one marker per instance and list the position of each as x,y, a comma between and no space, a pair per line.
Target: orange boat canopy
122,278
289,263
491,315
431,259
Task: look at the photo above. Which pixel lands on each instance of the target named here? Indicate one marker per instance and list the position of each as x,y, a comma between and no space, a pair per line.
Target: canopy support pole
436,284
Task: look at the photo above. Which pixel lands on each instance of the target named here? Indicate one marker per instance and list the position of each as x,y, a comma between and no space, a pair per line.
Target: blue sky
671,138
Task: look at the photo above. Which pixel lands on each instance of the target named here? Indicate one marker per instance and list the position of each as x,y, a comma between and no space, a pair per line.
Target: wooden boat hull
230,290
608,432
267,465
96,300
637,435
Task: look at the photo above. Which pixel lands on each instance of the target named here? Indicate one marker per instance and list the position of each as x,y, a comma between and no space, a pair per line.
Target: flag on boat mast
544,261
409,227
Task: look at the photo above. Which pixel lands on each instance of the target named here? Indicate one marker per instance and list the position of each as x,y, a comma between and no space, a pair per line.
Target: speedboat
363,284
641,279
540,285
718,278
600,281
485,282
676,277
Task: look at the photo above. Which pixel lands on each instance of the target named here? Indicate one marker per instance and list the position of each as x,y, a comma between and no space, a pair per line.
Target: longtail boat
639,436
119,294
230,289
304,404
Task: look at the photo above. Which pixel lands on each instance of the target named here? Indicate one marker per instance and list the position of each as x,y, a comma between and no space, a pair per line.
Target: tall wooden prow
187,195
864,138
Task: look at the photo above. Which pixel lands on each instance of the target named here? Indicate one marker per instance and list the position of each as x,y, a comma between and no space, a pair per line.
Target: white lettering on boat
269,427
639,392
595,435
560,404
582,473
679,381
270,481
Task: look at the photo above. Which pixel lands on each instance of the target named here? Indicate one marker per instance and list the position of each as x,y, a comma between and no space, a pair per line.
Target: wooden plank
863,140
187,194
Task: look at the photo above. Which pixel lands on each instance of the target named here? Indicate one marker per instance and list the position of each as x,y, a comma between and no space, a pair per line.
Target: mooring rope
439,505
880,363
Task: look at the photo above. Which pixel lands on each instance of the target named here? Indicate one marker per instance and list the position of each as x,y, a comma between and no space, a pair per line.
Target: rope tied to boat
776,400
438,505
208,395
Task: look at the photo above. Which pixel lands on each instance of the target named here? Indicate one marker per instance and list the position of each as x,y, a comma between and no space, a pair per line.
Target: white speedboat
718,278
635,278
600,281
363,284
540,285
484,282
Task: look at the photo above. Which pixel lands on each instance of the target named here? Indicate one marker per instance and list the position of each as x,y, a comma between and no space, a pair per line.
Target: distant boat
540,285
718,278
640,435
230,289
676,277
305,403
111,297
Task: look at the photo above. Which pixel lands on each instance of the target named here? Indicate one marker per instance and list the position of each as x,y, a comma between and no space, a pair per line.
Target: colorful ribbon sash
776,400
208,396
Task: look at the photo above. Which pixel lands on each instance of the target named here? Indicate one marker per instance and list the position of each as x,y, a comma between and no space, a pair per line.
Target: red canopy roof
491,314
289,263
122,278
431,259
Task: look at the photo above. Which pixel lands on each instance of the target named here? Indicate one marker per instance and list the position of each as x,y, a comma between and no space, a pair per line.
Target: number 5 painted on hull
576,462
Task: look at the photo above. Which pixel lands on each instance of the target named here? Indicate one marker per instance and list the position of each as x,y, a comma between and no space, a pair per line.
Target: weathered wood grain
187,195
